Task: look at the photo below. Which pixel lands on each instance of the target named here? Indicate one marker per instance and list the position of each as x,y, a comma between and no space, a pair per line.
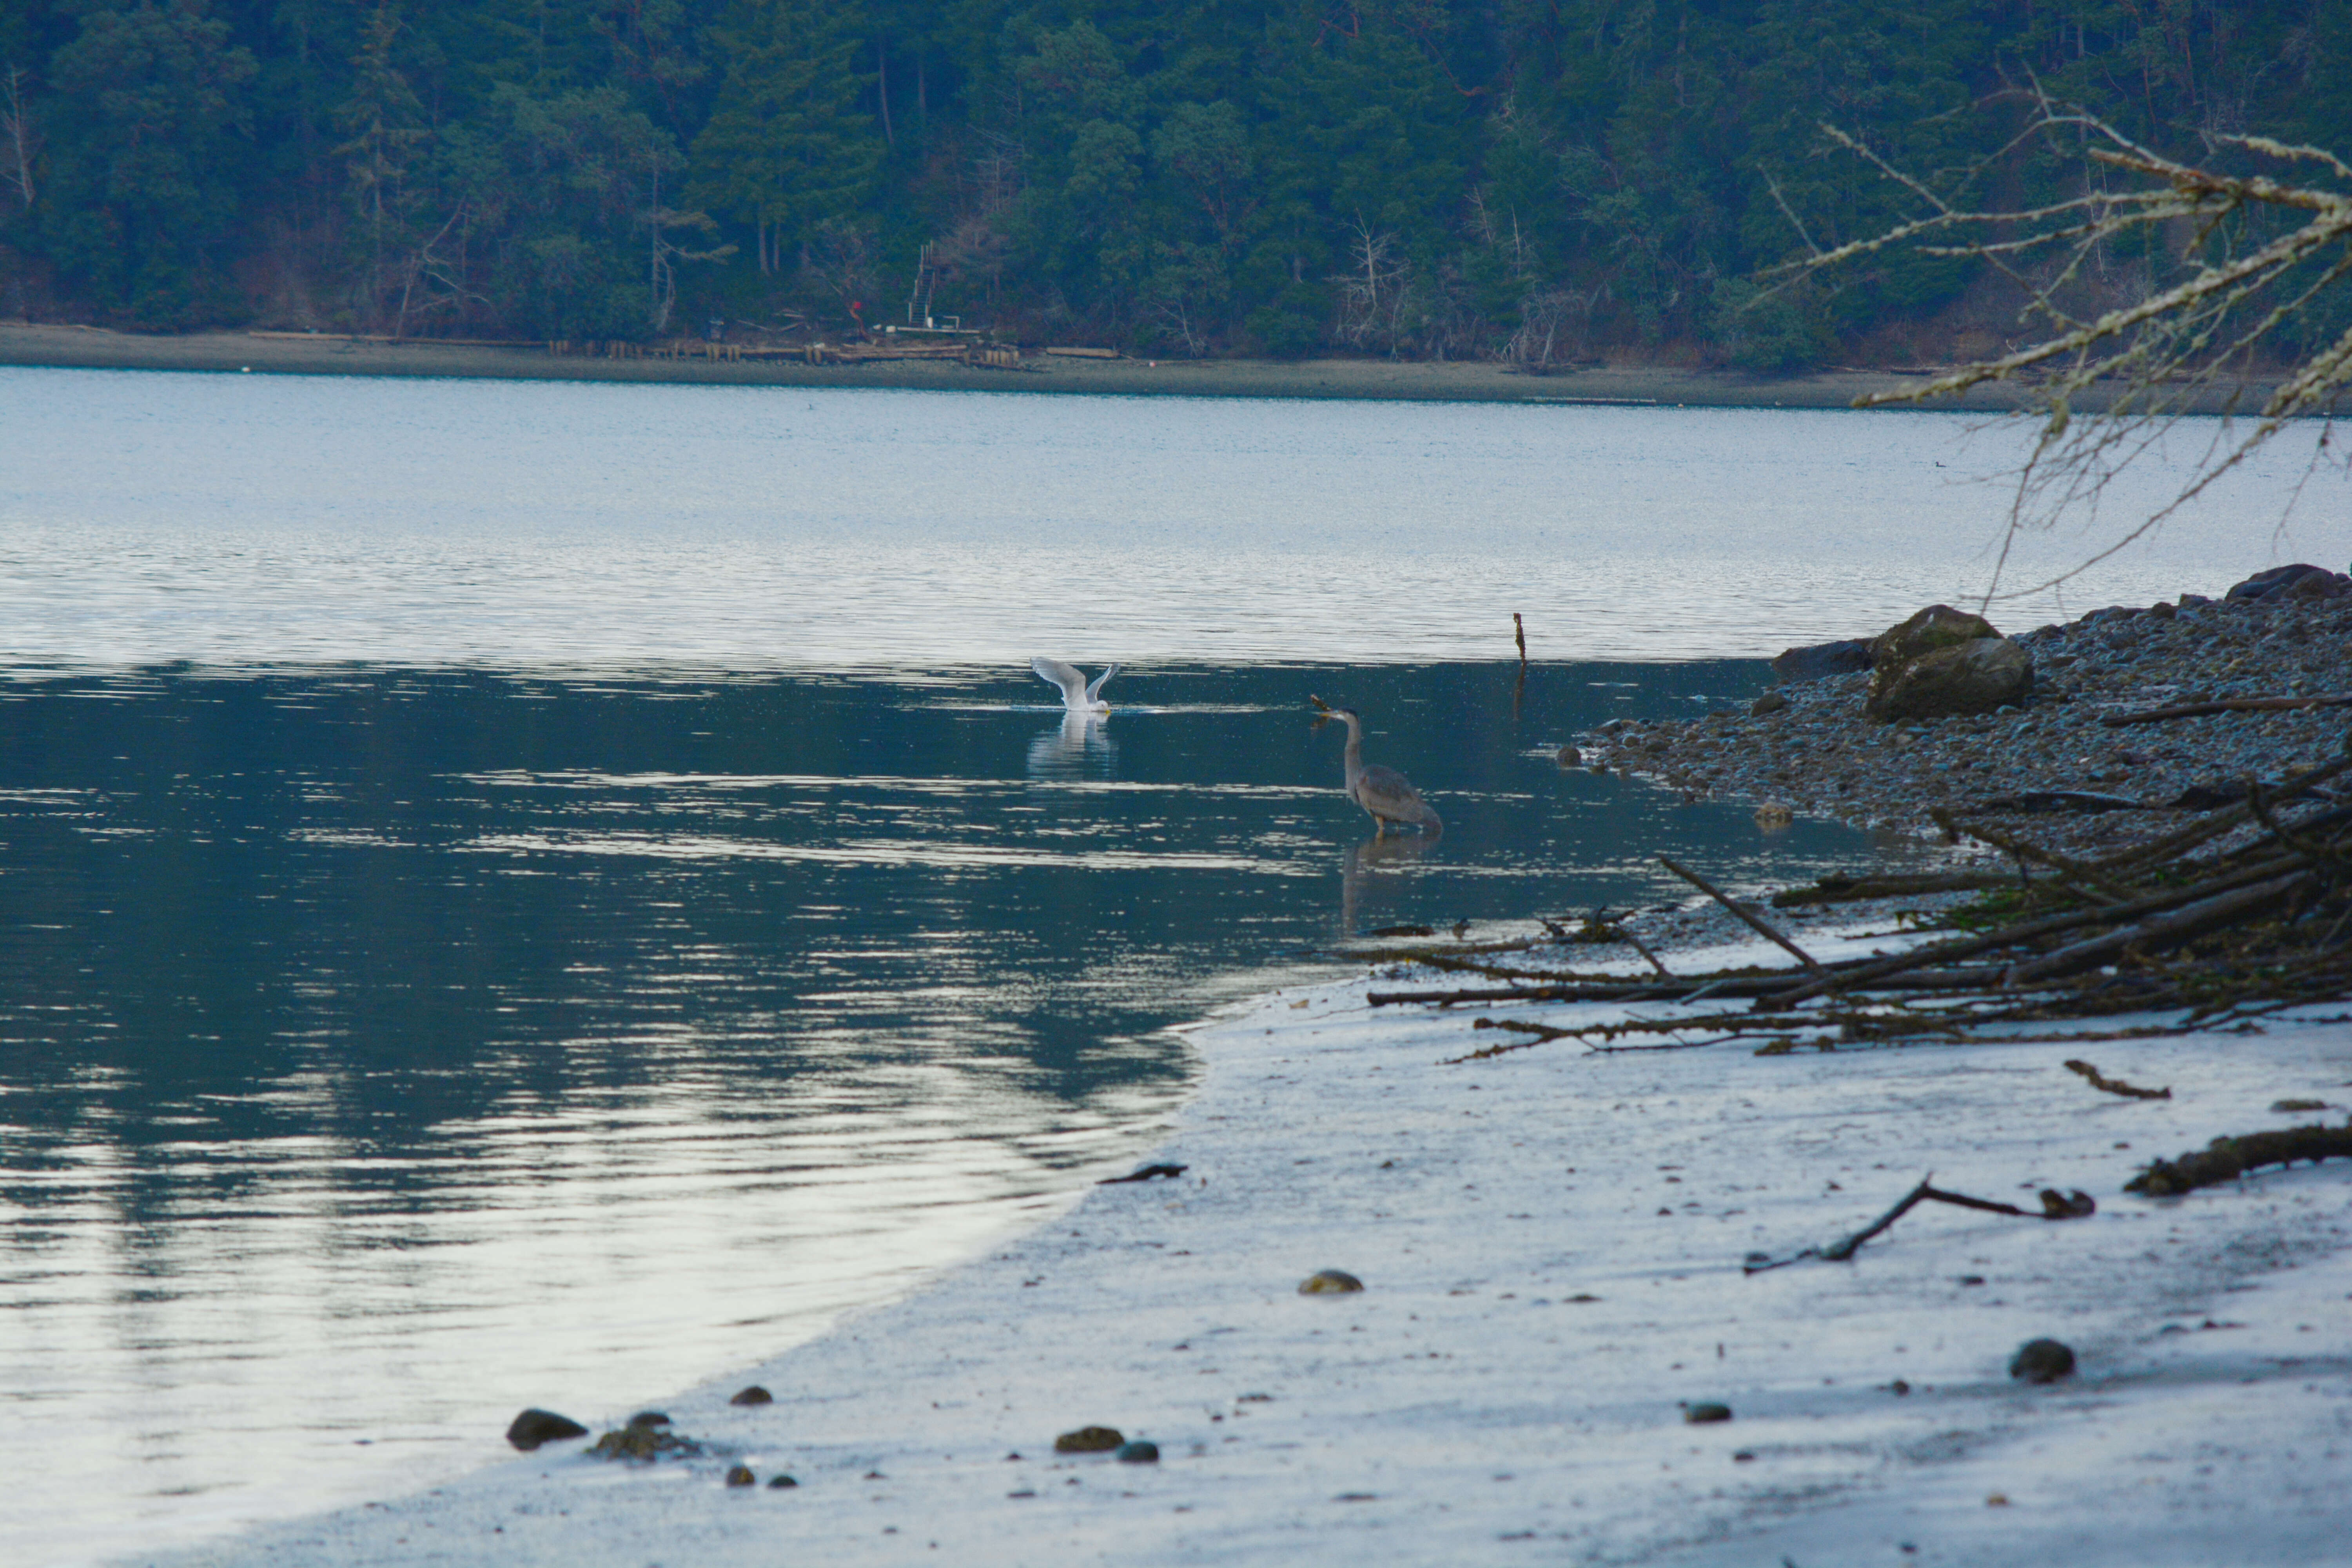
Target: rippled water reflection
245,520
387,1050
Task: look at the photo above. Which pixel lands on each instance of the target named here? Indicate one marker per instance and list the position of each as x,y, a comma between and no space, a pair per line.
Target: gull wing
1054,672
1095,685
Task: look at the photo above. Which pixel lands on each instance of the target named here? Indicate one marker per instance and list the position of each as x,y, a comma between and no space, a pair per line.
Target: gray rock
754,1395
1770,702
1138,1453
1816,660
2277,583
778,1483
1974,677
742,1476
2041,1360
1705,1411
535,1427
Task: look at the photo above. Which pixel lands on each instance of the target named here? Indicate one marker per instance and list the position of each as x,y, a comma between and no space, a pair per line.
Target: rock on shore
2287,633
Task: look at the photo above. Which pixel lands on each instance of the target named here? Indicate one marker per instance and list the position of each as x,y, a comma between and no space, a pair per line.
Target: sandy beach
234,352
1551,1245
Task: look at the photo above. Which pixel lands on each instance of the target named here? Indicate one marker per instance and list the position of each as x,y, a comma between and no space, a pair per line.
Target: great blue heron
1079,695
1383,792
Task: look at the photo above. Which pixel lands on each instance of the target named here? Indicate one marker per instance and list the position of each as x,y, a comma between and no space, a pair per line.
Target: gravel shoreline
1812,752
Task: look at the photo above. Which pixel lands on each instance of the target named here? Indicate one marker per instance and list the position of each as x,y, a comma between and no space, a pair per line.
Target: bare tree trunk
882,82
23,143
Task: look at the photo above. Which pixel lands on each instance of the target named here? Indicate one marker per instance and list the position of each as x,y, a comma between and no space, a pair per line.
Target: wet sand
232,352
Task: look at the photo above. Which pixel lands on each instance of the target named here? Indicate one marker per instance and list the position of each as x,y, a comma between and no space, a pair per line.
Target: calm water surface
527,894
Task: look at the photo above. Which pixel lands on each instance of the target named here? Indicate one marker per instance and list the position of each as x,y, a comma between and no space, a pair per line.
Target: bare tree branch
2106,382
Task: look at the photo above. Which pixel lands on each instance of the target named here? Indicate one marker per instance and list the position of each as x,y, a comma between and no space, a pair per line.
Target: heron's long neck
1354,761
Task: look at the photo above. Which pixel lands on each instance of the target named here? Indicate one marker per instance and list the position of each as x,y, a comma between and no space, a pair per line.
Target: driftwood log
2227,1158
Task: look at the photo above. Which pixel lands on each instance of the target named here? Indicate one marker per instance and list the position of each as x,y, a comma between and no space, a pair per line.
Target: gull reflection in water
1076,749
1374,877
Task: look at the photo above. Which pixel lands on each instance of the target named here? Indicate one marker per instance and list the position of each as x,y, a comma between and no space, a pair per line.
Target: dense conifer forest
1547,181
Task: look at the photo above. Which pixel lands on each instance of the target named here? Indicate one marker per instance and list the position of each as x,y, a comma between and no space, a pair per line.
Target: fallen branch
2225,705
2091,1075
1755,921
2227,1158
2056,1206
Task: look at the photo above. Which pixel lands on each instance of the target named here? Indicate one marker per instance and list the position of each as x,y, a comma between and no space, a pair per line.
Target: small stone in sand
1770,702
1089,1440
646,1442
2041,1360
646,1420
1138,1453
754,1395
742,1476
1330,1282
535,1427
1705,1411
778,1483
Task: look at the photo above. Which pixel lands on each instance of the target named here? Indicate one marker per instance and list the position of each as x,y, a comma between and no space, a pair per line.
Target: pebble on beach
778,1483
1090,1440
742,1476
1705,1411
1138,1453
2041,1360
754,1395
535,1427
1330,1282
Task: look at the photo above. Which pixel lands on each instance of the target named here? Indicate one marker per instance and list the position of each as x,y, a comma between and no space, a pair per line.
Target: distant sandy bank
96,348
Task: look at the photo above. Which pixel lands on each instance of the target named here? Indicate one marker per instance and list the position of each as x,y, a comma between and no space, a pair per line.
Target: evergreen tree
144,196
786,144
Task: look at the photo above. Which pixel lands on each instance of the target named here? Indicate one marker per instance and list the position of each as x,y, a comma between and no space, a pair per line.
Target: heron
1384,793
1079,695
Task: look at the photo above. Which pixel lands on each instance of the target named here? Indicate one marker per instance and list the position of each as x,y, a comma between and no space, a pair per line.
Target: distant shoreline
96,348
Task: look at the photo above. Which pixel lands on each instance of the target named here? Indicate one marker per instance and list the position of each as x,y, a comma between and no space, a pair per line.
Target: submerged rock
1330,1282
535,1427
2041,1360
1089,1440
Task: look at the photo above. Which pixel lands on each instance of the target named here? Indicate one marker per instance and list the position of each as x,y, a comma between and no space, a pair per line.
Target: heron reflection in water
1378,873
1384,793
1077,748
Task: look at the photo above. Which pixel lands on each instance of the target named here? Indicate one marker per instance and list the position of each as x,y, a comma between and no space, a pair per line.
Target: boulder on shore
1816,660
1973,676
2299,581
1936,627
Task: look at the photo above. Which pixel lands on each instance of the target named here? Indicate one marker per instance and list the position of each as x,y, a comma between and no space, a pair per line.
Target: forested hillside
1543,180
